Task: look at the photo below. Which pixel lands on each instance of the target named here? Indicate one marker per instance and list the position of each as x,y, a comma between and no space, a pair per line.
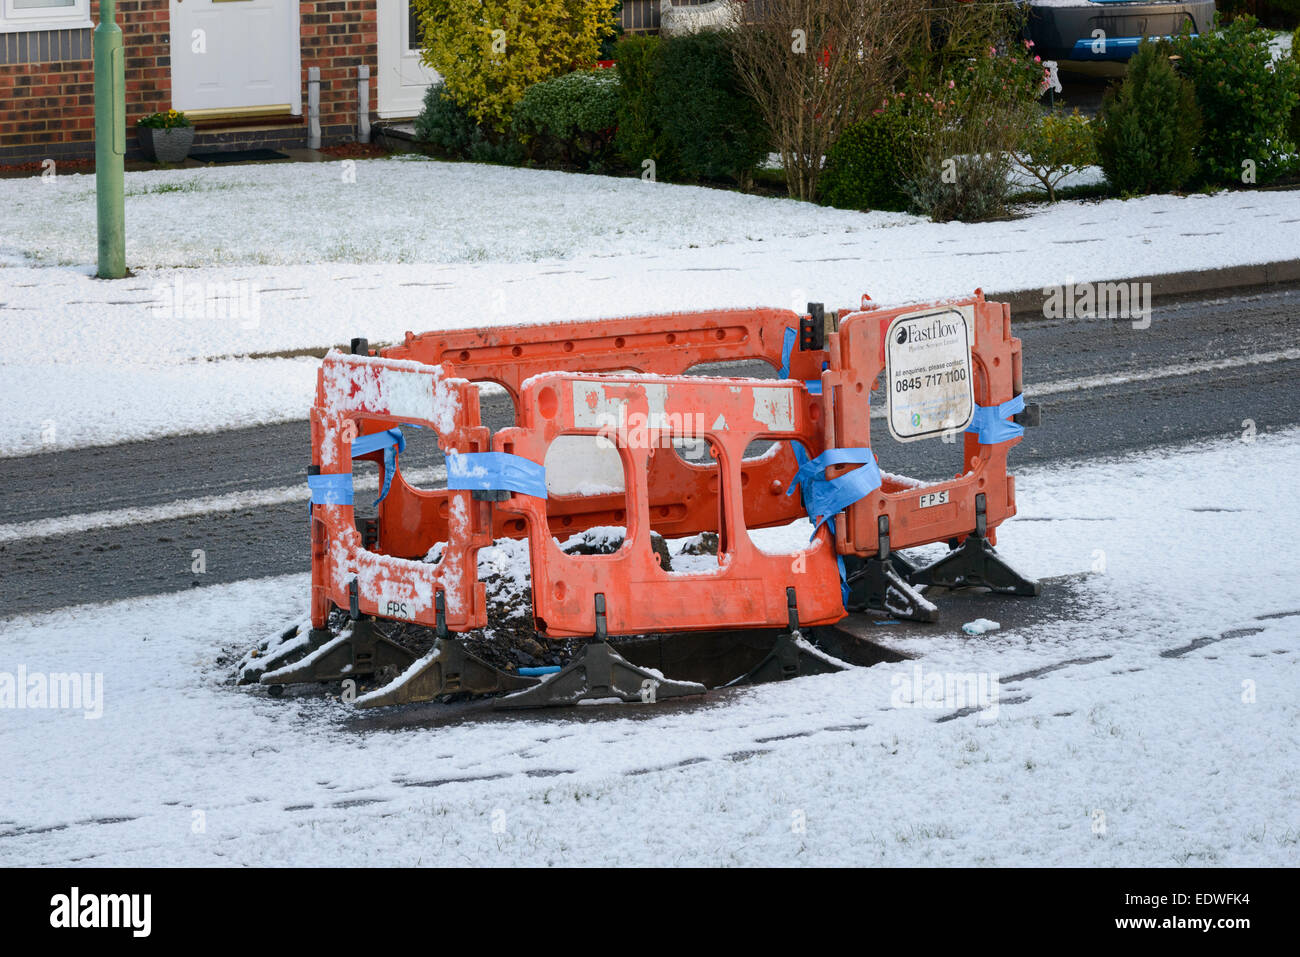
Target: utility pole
110,142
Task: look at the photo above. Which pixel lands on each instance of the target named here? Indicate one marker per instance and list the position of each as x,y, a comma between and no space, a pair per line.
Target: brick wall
338,36
47,81
47,93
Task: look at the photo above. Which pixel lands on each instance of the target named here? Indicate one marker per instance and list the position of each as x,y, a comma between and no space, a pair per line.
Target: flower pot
165,146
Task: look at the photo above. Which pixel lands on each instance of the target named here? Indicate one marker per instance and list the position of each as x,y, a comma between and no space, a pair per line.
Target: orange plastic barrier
931,512
749,587
353,394
823,407
410,519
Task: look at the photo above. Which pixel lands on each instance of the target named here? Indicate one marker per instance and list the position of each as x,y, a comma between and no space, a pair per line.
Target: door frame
394,56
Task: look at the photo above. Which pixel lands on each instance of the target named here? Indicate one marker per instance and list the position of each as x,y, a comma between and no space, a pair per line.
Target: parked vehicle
1109,30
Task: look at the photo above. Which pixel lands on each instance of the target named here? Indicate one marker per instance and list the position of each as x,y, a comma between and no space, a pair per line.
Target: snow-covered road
1172,738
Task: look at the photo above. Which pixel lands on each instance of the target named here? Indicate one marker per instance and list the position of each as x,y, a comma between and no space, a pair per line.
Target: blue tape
820,496
495,470
330,489
990,421
828,497
535,672
391,441
787,349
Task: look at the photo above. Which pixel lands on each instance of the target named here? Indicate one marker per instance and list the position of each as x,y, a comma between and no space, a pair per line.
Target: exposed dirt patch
355,151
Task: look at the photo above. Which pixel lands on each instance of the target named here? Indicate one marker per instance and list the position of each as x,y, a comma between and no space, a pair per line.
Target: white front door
237,55
402,77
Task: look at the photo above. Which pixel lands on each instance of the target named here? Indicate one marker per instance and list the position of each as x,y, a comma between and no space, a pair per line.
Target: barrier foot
351,654
600,675
975,562
448,668
877,584
791,655
286,651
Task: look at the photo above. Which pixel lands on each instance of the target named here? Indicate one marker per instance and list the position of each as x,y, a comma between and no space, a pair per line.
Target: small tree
969,121
1149,127
640,135
816,67
1056,146
489,52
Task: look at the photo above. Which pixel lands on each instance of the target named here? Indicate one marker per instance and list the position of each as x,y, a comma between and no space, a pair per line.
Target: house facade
240,69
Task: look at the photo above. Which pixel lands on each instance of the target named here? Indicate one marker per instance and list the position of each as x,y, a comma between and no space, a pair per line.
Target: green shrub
1149,126
445,125
711,127
1295,110
639,137
490,51
864,169
569,118
966,188
610,41
454,133
1055,146
969,121
1245,99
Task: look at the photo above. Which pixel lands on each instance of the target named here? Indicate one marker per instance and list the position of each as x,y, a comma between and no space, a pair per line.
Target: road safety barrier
948,370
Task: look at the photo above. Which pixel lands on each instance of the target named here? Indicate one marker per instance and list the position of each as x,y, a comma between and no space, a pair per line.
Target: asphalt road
1200,370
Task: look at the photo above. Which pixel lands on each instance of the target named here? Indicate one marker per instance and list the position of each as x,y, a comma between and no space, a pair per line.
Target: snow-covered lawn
267,259
1168,750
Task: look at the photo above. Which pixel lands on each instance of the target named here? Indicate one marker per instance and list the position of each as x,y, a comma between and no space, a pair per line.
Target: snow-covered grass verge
1165,750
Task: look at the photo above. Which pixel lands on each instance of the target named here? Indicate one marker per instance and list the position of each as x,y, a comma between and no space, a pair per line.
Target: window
413,39
18,15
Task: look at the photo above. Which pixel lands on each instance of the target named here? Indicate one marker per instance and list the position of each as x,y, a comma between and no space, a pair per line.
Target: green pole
110,142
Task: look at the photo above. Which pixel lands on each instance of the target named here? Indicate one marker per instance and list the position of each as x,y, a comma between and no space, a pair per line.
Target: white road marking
1035,390
185,508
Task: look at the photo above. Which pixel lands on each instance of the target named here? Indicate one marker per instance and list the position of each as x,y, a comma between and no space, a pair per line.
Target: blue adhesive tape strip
825,498
330,489
391,441
990,421
495,470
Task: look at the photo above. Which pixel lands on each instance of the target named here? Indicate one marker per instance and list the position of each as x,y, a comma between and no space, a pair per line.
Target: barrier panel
411,519
921,513
749,587
354,394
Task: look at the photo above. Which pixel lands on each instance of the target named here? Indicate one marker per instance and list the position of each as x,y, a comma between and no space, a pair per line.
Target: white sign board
928,373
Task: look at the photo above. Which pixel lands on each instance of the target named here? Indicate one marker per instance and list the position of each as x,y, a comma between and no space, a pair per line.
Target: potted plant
165,137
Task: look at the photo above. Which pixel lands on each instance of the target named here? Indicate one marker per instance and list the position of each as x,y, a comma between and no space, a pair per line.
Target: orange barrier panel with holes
357,396
411,520
920,513
748,586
